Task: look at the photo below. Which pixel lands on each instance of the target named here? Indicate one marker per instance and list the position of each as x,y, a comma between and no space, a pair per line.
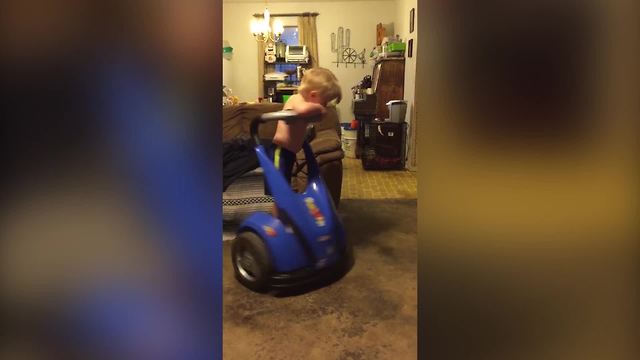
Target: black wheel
251,262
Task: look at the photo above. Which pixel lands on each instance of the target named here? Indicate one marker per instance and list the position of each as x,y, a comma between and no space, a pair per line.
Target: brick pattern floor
358,183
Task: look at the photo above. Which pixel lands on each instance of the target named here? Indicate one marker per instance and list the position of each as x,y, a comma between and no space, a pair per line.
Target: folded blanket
244,197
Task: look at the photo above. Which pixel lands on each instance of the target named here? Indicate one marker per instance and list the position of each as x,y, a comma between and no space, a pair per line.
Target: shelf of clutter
278,85
283,69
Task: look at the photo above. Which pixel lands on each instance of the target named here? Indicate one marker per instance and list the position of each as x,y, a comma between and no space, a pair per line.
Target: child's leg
283,160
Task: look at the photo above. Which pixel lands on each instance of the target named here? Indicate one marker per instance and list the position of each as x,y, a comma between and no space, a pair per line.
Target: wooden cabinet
388,84
384,146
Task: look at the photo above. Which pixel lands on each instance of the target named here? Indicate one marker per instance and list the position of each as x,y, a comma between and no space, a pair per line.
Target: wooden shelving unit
282,90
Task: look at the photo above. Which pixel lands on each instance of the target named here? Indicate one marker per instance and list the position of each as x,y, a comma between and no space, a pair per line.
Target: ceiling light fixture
262,29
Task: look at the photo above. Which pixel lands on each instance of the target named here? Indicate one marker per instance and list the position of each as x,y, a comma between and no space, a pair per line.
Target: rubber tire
252,243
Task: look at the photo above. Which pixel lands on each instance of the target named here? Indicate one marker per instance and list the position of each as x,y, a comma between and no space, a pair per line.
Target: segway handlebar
290,115
285,115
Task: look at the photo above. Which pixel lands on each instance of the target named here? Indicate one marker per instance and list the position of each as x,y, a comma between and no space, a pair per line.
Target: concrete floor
371,313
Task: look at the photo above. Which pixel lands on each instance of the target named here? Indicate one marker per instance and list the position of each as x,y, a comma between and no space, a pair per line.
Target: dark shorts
284,160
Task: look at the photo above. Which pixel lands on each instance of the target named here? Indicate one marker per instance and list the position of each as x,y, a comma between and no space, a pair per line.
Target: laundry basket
349,139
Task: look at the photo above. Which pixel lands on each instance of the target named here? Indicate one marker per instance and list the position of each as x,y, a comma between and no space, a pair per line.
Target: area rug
371,313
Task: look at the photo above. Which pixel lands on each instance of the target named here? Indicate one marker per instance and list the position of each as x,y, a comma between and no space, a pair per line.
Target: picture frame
412,15
410,48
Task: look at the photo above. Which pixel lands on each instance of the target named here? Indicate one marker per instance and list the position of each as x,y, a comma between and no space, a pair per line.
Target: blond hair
324,82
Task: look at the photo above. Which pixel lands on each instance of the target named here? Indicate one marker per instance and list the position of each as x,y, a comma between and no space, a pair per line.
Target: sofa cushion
237,120
323,143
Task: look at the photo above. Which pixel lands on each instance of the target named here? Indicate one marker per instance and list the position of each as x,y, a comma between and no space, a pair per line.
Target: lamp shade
278,28
264,27
255,26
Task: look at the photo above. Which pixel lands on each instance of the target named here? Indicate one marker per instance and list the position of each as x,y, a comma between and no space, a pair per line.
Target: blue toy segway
305,242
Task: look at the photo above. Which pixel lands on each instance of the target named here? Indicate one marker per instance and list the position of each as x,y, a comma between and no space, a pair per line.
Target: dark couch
326,145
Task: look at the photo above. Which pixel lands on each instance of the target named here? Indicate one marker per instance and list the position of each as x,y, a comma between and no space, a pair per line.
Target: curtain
260,69
308,35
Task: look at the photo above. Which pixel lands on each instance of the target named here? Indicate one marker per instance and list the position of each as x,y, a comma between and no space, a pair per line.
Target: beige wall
359,16
403,7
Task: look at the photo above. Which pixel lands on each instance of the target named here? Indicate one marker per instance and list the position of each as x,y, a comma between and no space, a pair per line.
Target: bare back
291,136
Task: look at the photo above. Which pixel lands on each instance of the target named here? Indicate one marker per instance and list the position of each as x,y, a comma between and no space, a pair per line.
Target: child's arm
301,106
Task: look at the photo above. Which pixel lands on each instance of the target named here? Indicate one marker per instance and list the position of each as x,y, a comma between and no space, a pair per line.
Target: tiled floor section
358,183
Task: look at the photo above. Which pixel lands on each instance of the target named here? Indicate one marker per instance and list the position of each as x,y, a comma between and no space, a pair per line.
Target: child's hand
305,108
308,109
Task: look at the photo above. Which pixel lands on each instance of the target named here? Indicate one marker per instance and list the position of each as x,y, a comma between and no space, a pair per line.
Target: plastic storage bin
349,141
397,110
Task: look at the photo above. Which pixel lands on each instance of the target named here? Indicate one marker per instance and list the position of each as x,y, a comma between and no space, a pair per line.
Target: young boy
318,87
